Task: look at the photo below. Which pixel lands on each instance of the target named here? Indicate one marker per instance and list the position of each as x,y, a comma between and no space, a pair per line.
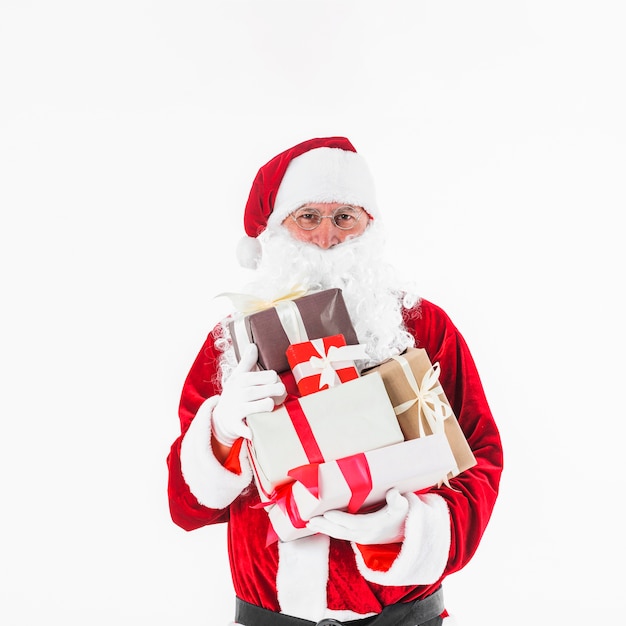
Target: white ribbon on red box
327,363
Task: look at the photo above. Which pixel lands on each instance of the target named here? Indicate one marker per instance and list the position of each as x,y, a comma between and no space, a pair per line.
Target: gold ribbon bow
427,397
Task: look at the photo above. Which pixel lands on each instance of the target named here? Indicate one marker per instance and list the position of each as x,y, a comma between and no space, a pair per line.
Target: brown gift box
401,393
321,313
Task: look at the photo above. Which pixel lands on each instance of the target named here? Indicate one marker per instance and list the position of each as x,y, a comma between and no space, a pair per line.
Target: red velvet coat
254,565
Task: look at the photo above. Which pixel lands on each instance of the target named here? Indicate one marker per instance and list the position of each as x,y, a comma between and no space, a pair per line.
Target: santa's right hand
245,392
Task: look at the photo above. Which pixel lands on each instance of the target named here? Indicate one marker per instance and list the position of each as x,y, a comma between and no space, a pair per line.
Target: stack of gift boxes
343,437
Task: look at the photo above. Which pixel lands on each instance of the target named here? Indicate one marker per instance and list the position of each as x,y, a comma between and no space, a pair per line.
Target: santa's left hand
383,526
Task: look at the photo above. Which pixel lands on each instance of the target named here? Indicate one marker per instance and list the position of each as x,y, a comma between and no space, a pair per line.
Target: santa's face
356,265
327,234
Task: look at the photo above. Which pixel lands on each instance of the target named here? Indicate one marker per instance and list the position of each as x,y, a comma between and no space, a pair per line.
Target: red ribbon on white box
355,470
327,363
303,430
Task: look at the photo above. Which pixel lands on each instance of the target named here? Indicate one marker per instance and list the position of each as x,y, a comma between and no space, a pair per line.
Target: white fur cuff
426,546
209,481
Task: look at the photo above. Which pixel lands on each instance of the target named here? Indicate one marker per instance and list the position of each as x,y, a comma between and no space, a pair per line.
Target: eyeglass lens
344,217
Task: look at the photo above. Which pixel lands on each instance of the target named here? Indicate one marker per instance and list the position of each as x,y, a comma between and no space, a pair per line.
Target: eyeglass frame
331,217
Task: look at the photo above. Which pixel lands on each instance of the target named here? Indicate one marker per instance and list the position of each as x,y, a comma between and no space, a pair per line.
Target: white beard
369,285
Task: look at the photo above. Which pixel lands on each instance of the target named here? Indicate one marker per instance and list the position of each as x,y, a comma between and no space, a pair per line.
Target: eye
344,218
307,218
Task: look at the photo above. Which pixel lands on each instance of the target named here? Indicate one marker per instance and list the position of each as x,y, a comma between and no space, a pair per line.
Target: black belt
400,614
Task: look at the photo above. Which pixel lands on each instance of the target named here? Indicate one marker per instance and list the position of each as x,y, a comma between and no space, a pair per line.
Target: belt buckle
328,622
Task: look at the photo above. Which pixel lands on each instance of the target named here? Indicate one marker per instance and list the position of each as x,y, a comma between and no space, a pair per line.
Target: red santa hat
326,169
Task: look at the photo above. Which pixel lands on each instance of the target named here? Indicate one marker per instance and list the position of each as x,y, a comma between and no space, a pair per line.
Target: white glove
245,392
383,526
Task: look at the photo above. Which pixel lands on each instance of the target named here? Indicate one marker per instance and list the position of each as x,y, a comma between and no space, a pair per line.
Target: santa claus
312,220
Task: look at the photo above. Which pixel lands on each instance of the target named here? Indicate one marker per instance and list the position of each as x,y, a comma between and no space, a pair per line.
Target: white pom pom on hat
326,169
248,252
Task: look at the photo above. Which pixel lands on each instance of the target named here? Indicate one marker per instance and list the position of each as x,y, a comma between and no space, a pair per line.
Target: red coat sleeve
474,493
201,383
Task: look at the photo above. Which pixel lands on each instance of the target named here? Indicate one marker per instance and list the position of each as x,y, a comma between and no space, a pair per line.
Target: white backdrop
130,132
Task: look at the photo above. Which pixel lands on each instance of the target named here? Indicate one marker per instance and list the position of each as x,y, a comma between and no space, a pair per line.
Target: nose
326,234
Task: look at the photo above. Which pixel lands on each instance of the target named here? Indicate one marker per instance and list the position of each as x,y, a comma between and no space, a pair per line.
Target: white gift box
347,419
408,466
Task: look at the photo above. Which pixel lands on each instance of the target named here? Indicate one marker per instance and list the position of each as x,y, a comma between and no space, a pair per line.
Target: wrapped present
323,426
357,482
420,403
322,363
289,321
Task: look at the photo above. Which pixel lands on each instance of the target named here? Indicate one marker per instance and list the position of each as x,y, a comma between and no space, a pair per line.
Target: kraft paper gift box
412,383
274,329
322,363
357,482
353,417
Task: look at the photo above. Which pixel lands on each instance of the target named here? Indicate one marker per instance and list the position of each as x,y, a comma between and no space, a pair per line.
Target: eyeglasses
343,217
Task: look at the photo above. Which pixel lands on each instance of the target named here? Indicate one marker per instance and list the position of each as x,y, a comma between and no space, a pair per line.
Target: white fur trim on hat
325,175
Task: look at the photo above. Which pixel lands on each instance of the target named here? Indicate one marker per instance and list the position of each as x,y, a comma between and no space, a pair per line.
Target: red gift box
323,363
